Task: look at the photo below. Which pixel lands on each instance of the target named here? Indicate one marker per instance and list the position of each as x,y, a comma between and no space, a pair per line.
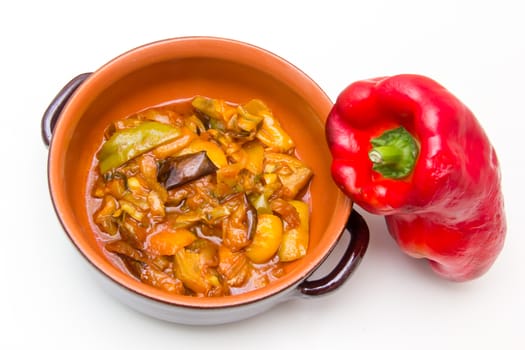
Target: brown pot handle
359,238
50,117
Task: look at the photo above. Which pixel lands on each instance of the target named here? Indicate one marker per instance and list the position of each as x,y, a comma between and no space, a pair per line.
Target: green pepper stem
394,153
385,155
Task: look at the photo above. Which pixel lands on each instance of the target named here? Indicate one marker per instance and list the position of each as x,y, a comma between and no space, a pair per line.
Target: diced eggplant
177,171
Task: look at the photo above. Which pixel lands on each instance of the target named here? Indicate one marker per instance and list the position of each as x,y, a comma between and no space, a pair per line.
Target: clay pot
180,68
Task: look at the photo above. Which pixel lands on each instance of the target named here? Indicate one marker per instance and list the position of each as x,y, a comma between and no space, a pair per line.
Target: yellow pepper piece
255,157
267,239
294,243
213,151
256,107
168,242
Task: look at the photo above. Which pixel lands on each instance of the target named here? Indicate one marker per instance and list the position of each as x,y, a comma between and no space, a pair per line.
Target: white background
476,49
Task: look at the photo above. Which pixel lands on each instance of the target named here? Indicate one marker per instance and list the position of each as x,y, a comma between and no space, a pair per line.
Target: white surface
475,48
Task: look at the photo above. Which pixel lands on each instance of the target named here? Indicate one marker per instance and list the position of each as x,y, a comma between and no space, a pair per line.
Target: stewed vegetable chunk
201,203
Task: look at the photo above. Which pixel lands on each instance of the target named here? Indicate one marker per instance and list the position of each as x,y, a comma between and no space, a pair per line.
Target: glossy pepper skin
448,207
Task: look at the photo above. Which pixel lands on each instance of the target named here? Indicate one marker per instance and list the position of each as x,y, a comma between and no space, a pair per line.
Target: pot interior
167,71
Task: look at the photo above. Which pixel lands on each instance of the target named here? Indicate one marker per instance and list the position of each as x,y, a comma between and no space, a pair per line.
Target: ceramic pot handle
359,238
56,106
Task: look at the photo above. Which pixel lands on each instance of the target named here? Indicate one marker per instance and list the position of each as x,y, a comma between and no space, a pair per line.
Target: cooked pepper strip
127,144
446,205
267,238
294,243
254,157
273,135
213,151
209,106
169,242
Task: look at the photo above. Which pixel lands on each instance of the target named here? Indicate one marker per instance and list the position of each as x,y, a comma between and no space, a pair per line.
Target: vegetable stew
202,197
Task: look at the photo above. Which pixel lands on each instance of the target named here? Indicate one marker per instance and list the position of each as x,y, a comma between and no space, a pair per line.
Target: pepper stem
394,153
385,155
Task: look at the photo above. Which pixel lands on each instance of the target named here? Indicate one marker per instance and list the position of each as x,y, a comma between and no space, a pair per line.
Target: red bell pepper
405,147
